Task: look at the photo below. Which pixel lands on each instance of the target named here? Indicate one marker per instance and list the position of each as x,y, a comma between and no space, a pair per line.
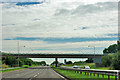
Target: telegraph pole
18,49
94,51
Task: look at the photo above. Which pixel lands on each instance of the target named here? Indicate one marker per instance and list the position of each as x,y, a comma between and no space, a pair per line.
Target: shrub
4,66
116,61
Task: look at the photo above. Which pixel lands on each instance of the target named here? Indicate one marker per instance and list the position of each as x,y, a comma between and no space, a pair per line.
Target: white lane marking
32,78
60,76
35,75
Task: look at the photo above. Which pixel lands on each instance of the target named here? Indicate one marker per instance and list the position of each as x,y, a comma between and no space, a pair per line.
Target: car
75,66
86,67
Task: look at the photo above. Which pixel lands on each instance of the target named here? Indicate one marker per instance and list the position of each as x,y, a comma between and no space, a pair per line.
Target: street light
18,52
82,58
93,48
18,49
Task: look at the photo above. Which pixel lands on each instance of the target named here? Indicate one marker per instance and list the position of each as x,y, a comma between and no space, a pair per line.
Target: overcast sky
59,26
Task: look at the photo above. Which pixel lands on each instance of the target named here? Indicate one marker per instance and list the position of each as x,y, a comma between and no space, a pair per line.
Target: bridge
56,56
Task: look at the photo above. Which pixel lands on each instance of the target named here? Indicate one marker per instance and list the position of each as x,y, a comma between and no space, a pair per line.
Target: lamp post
18,50
93,48
82,58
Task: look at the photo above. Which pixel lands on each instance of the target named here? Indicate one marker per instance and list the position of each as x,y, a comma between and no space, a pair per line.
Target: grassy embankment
78,76
11,69
92,66
23,67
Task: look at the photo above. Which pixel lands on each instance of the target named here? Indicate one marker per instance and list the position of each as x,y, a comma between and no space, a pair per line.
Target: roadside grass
77,76
92,66
23,67
81,64
101,68
11,69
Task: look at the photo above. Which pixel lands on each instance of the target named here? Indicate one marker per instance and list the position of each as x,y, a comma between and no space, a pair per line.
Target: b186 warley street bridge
96,57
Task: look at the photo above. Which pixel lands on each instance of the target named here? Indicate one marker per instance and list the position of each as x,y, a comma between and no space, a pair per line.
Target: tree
26,61
77,62
21,63
90,60
69,62
12,61
116,61
43,62
111,49
118,43
54,62
107,60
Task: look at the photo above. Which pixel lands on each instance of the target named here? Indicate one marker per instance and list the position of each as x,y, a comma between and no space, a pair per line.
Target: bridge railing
94,72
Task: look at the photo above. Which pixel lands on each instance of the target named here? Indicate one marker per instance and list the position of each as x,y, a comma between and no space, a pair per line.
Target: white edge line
60,75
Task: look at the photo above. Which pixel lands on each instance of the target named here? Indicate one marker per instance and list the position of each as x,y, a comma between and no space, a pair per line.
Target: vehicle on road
86,67
75,66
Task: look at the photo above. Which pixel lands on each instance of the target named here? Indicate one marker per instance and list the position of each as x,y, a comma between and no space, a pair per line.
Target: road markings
35,76
17,74
60,76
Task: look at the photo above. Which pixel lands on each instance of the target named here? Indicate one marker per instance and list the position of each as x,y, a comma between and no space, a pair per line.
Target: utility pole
94,51
18,49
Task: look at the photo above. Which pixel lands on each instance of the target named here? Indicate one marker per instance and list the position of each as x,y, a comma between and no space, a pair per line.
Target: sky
59,26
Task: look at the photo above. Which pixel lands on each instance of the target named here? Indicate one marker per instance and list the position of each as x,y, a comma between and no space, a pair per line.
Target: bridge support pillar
98,65
56,62
97,62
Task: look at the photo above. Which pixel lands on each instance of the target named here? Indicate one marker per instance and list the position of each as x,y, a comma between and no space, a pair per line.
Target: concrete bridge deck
56,55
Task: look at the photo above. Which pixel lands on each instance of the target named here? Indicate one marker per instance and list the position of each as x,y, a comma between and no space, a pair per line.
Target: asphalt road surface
35,73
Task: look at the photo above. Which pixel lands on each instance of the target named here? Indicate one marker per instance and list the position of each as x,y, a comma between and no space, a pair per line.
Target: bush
13,61
4,66
112,60
107,61
25,66
116,61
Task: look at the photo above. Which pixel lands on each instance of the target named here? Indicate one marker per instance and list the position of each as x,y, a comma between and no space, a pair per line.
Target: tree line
14,61
112,57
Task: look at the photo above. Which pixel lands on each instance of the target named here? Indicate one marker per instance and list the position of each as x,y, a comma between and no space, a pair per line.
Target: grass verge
91,65
77,76
23,67
11,69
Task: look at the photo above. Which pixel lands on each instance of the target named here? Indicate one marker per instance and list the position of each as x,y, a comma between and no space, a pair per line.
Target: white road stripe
60,76
35,75
32,78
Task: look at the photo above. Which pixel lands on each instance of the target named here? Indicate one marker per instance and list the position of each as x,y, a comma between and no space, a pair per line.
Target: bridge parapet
56,55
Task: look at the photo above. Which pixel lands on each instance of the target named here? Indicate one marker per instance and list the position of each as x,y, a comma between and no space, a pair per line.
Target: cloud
60,22
48,25
43,47
89,8
96,8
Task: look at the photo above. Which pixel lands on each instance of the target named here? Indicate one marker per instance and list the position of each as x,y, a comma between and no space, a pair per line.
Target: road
35,73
